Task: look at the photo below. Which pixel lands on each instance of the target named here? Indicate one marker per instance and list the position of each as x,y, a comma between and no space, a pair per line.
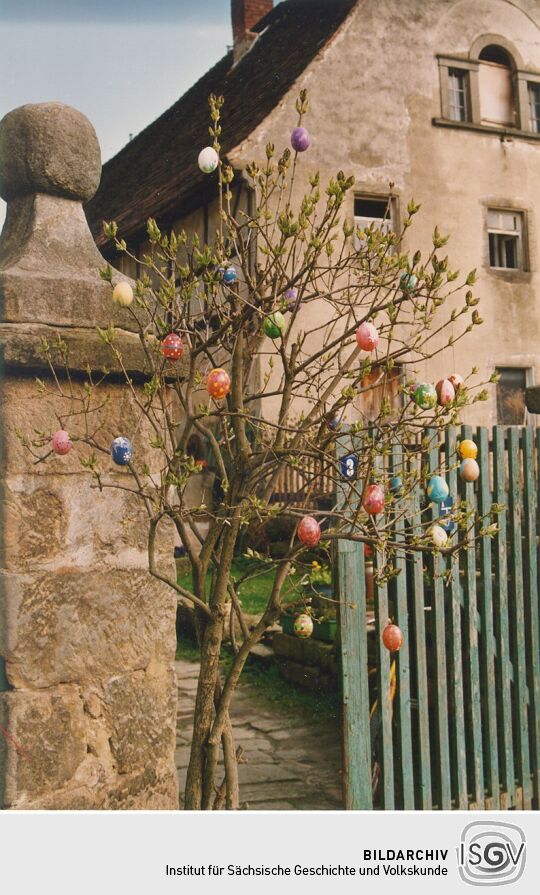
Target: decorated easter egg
373,500
275,325
208,160
445,392
230,276
122,294
412,387
290,297
368,551
172,347
333,423
469,470
456,380
303,626
121,450
309,531
407,281
396,484
439,536
367,337
437,489
218,383
300,139
425,396
348,466
392,637
61,442
468,449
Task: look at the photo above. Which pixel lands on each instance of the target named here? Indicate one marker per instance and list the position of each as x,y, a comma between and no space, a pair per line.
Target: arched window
496,86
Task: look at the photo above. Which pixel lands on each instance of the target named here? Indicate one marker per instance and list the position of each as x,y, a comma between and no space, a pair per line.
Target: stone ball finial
48,148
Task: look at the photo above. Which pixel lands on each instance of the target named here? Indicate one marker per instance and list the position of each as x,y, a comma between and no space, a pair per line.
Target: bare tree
265,343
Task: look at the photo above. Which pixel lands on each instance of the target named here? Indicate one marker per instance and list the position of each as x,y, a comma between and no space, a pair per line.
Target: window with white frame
511,408
370,211
505,235
534,107
458,95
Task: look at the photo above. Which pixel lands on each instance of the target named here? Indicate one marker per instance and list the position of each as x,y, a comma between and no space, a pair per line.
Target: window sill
505,133
511,274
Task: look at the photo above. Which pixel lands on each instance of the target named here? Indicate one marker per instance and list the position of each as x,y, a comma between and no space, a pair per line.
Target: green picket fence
463,727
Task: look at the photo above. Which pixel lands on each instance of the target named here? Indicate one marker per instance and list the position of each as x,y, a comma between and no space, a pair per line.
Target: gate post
87,637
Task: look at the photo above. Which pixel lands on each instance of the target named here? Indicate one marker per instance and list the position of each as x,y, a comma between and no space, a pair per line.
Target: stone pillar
87,636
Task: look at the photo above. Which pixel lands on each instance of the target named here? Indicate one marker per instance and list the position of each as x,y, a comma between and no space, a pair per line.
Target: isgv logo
491,853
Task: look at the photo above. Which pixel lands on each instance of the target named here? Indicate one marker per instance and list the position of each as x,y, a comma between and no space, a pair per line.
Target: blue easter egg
121,451
396,484
437,489
230,276
407,281
349,466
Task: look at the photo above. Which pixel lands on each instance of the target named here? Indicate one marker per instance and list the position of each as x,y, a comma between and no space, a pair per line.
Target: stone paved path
291,762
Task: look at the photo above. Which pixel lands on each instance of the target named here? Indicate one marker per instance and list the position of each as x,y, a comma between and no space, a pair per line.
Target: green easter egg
274,326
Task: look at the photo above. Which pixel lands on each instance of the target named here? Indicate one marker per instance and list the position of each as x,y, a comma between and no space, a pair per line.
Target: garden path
291,763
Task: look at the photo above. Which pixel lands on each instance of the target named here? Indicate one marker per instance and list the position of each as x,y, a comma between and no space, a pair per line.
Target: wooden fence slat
532,607
459,754
439,632
354,652
517,615
426,801
487,643
501,621
403,657
471,611
384,704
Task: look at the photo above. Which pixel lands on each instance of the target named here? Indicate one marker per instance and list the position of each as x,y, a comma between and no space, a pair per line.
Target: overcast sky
121,62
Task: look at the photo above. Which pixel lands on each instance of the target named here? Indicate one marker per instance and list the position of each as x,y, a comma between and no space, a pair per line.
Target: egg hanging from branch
392,638
300,139
439,536
121,450
468,449
274,325
445,392
208,160
218,383
309,531
303,626
437,489
457,381
172,347
367,336
230,276
425,396
123,294
61,443
407,282
373,500
469,470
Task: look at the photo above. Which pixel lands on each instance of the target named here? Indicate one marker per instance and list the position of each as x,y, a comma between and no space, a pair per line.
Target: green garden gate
463,729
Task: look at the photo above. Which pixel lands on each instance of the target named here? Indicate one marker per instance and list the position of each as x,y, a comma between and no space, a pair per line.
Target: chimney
245,14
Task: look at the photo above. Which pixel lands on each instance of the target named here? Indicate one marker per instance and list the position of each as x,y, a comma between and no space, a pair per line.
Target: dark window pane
534,107
458,94
371,208
511,409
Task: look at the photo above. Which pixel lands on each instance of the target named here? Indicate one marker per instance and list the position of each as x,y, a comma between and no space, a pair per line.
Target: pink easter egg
373,500
367,337
445,392
456,380
309,531
61,442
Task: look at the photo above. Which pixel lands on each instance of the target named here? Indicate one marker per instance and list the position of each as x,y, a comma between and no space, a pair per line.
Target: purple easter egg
300,139
290,297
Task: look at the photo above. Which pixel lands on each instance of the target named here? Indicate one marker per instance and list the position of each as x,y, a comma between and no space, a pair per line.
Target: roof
156,174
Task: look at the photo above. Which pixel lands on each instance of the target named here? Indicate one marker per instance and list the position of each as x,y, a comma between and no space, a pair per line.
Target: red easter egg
309,531
445,392
172,347
367,337
368,551
392,637
61,442
218,383
373,500
456,380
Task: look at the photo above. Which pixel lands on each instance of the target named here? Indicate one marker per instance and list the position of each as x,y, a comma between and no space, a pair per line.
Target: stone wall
87,636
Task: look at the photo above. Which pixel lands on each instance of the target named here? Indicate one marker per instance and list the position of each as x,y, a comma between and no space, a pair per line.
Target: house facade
440,98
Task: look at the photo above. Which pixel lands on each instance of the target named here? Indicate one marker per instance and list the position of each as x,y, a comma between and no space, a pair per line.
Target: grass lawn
255,591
